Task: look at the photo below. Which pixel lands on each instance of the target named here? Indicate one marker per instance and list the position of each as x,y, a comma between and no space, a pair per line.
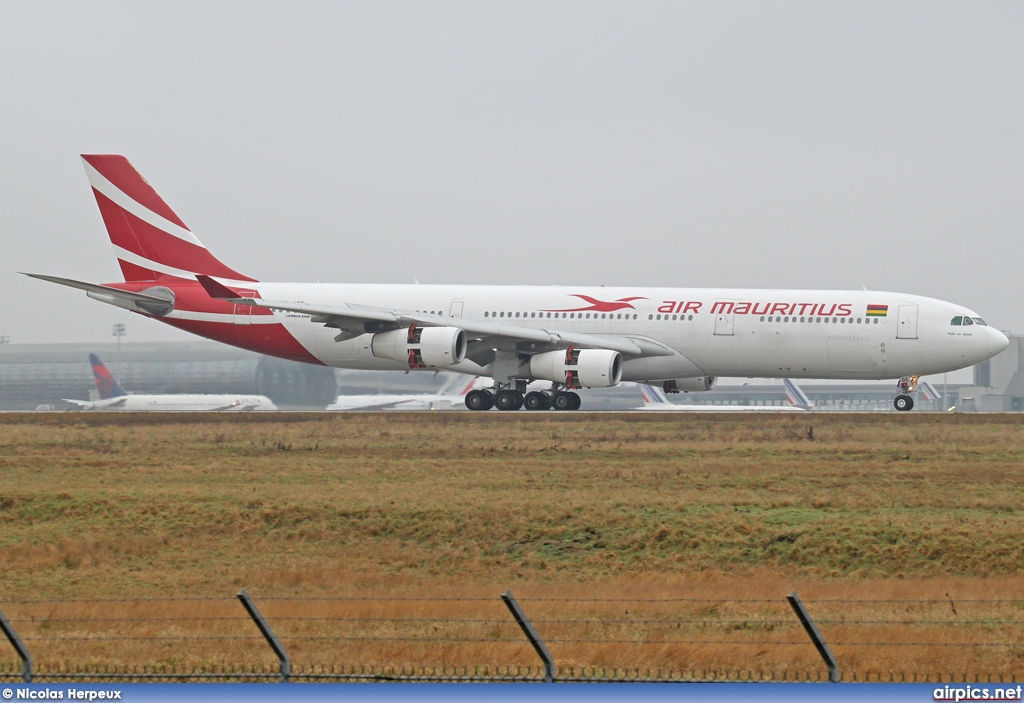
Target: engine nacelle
421,347
579,368
690,385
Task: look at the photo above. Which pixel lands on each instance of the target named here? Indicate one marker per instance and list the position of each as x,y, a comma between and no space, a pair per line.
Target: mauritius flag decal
877,310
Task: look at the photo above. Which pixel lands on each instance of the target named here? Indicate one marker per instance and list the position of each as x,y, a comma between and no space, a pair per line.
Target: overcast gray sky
782,144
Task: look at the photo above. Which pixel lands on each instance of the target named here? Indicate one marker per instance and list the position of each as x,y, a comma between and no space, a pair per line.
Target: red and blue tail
150,240
106,384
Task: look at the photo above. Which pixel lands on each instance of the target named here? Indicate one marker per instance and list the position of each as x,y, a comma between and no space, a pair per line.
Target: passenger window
979,321
958,320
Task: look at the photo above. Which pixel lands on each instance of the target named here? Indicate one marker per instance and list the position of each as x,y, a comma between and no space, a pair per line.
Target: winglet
215,289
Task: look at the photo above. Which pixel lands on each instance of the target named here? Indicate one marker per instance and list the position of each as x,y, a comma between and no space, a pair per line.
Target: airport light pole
119,331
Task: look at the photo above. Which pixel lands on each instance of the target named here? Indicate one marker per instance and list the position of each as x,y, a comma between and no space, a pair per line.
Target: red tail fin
150,240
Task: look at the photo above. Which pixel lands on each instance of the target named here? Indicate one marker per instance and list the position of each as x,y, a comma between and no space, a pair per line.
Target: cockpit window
979,321
958,320
968,321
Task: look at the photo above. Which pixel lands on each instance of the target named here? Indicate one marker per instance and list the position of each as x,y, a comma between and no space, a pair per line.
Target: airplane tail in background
150,240
928,391
106,384
654,397
796,395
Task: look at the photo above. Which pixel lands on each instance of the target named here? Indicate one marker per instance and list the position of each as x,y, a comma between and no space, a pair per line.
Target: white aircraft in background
114,397
451,395
573,337
656,399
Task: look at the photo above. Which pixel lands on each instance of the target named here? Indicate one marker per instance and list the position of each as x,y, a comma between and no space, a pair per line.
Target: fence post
19,647
815,635
268,634
531,634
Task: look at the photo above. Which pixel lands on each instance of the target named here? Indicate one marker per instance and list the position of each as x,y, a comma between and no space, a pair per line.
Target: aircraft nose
997,342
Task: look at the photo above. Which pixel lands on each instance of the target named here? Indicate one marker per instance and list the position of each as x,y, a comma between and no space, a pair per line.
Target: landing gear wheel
903,403
479,400
576,402
562,401
508,400
535,400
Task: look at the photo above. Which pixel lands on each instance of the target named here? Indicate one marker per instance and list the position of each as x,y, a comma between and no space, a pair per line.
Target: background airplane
451,395
113,397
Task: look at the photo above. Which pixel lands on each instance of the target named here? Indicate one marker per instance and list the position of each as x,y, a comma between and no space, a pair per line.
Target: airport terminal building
33,375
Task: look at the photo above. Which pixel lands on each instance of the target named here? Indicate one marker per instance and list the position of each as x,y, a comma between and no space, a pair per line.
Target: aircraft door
243,313
907,326
456,309
724,323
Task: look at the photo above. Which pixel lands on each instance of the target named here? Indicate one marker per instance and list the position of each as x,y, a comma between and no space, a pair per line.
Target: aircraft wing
82,404
350,319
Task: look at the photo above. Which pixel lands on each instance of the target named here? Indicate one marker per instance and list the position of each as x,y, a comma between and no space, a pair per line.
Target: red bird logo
601,305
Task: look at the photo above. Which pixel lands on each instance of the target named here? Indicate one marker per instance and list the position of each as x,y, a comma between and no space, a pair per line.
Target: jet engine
579,368
690,385
421,346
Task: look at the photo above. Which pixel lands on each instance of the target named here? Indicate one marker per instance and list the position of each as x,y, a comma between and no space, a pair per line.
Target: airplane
796,396
453,393
573,337
113,397
656,399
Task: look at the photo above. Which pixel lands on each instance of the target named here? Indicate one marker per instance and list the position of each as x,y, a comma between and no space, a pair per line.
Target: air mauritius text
729,307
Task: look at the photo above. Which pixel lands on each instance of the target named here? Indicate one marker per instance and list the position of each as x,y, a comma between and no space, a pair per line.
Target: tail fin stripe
171,252
120,173
125,202
133,272
140,262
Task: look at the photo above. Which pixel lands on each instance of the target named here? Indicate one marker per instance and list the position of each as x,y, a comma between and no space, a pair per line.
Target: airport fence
292,639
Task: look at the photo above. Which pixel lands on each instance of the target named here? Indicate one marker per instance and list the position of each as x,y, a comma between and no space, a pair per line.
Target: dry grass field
925,512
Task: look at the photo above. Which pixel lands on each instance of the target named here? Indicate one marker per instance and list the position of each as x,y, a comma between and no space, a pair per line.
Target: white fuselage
714,332
184,403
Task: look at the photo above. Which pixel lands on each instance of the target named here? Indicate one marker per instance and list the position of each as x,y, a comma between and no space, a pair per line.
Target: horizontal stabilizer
217,290
153,301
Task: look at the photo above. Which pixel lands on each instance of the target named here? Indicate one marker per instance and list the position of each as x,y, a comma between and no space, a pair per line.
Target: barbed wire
29,601
496,621
155,618
389,599
943,601
140,638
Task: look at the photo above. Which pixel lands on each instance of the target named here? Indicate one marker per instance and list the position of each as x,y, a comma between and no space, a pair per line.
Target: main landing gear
903,401
513,399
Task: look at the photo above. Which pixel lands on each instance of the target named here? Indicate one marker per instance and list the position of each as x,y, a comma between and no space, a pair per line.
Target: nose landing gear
903,401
